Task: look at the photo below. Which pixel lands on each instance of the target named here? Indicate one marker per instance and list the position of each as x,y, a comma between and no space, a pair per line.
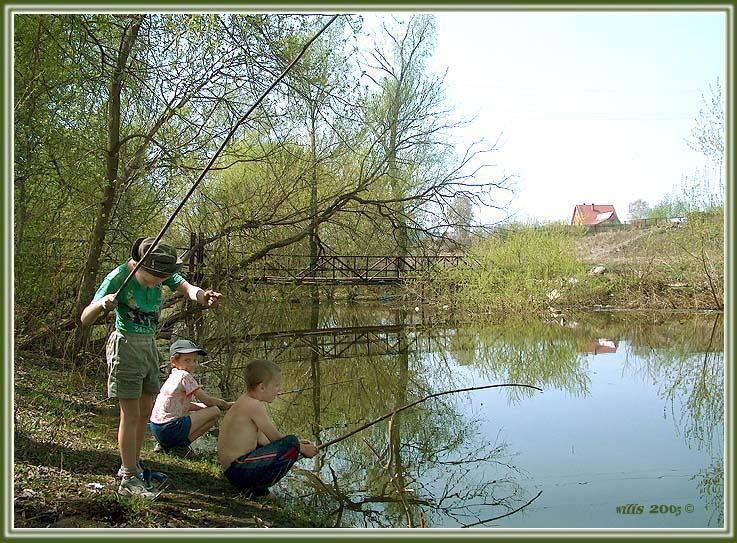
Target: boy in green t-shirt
132,357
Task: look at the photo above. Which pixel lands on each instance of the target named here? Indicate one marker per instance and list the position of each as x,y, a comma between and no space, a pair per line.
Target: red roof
595,213
601,346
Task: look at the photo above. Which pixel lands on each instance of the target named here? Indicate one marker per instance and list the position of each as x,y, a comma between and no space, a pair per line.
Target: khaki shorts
132,365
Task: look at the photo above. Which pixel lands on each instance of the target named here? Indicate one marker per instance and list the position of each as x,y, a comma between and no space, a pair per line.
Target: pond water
626,433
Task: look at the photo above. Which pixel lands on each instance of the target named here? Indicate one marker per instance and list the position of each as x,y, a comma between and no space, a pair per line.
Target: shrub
518,270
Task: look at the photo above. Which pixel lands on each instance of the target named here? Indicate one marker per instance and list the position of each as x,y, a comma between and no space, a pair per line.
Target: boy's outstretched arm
208,400
93,311
205,298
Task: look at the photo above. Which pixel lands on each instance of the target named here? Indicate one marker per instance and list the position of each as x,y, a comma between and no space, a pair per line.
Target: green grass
65,442
527,270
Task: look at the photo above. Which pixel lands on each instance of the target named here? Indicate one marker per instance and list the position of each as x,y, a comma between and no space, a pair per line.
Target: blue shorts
173,433
264,466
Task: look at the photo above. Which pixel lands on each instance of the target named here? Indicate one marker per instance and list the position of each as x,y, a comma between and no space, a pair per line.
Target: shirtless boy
253,453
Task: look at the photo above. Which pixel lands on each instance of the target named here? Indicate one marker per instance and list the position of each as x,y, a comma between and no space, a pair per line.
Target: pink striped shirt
174,397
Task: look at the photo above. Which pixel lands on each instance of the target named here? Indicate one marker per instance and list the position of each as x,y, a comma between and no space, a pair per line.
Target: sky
587,107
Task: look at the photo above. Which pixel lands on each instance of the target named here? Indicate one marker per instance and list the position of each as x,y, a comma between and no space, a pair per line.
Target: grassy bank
531,269
66,458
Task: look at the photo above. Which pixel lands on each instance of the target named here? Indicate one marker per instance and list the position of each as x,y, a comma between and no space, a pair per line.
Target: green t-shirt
138,307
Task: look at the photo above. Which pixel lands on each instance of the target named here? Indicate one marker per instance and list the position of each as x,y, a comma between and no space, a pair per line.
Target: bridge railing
347,267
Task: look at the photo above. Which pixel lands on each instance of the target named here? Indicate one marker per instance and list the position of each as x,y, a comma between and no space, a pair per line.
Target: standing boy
253,453
132,356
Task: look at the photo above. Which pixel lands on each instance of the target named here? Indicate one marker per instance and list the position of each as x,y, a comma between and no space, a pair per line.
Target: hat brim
134,248
160,273
187,351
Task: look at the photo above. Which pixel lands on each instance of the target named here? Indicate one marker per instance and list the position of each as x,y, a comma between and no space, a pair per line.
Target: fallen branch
504,515
436,394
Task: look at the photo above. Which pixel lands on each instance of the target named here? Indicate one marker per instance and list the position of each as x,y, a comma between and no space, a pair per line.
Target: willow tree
63,120
174,83
129,107
408,110
45,74
394,165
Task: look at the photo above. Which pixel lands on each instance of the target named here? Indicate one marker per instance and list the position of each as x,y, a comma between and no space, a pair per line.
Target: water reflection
451,461
692,381
601,346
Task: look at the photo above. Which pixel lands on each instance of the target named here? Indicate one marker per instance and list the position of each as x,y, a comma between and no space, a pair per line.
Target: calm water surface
628,431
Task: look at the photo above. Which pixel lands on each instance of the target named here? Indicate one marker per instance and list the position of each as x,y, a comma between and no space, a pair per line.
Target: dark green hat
163,260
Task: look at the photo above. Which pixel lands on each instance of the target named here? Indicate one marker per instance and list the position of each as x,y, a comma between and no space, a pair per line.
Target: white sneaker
133,486
139,469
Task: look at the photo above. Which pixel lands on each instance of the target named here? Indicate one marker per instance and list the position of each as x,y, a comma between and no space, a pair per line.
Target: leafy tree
638,209
116,114
320,88
461,218
708,137
708,132
107,109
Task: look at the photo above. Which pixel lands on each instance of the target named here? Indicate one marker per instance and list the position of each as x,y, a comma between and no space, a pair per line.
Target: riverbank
66,458
534,270
65,428
65,448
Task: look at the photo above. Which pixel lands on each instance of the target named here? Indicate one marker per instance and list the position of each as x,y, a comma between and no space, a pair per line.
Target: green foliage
517,270
694,194
638,209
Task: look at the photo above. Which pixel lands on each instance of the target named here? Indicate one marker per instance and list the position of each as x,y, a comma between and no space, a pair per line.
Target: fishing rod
407,406
220,150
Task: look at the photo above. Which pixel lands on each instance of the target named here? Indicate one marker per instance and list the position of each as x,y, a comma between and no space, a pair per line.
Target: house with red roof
601,346
594,214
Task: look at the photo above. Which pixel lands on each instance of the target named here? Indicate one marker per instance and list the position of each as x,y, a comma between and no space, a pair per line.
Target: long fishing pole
407,406
220,150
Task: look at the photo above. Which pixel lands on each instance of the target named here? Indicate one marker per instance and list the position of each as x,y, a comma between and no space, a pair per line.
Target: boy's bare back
238,430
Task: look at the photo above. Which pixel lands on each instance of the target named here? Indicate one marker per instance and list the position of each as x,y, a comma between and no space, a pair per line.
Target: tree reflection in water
431,466
383,481
690,368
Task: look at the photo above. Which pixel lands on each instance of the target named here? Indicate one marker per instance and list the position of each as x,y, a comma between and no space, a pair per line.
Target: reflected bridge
343,342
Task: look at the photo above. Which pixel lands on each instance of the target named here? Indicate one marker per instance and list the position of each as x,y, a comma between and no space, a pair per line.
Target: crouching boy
253,453
176,421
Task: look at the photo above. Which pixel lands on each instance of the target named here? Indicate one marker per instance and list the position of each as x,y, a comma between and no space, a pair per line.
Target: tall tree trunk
102,219
397,192
316,390
313,201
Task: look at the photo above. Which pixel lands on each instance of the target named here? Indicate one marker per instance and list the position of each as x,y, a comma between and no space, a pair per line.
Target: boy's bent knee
291,441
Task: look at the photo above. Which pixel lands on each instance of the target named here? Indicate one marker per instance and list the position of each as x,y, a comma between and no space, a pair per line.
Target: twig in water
400,491
392,413
505,515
